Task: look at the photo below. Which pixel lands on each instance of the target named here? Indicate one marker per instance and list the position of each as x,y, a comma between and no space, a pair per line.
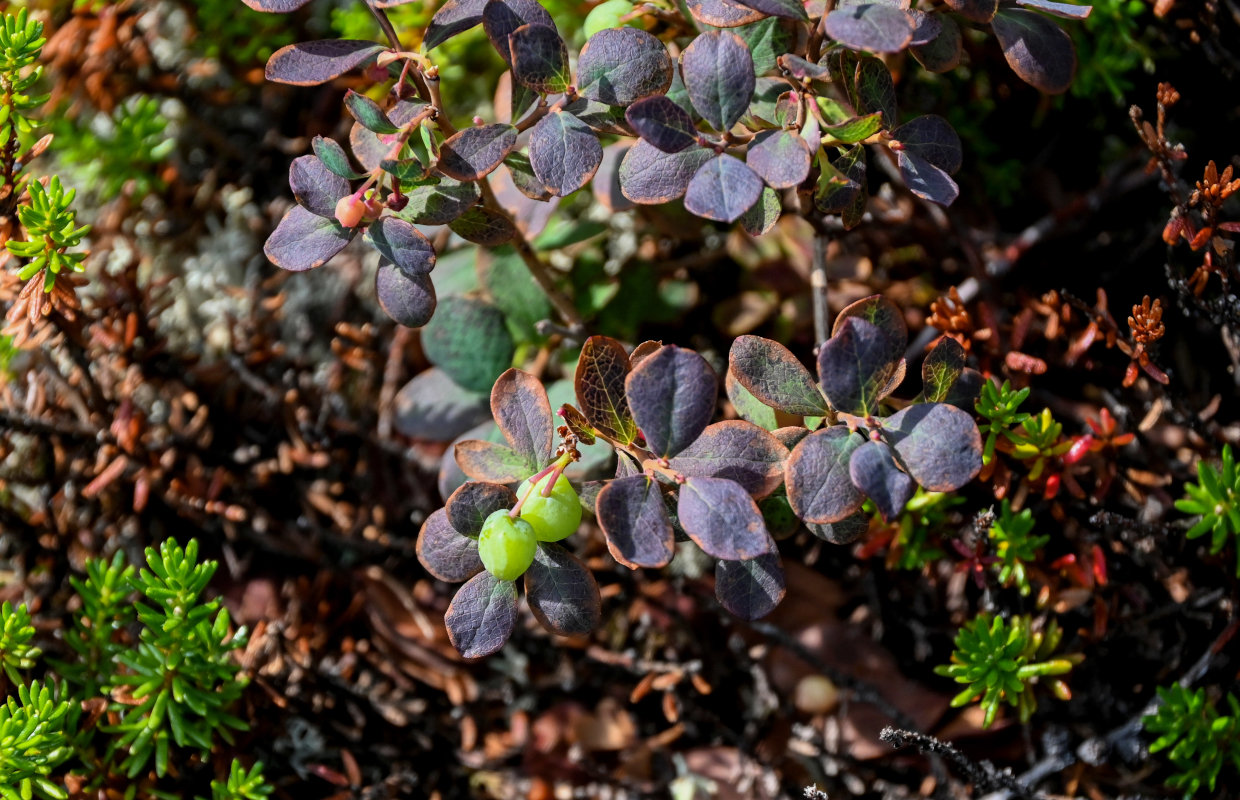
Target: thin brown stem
819,290
386,24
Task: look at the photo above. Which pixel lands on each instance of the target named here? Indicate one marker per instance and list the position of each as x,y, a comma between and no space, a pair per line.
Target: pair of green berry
507,544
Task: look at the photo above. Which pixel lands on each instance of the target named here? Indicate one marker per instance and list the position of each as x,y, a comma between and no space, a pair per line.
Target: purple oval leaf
315,186
620,65
846,531
937,443
722,519
649,176
857,365
926,27
873,470
304,240
819,486
539,59
944,52
501,18
781,158
472,154
402,244
672,395
432,407
976,10
488,461
788,9
564,153
880,311
774,375
276,6
521,409
1036,49
561,592
482,615
407,297
926,180
1062,10
718,73
933,139
470,505
453,17
633,516
738,451
873,27
312,63
722,13
750,589
662,123
722,189
446,553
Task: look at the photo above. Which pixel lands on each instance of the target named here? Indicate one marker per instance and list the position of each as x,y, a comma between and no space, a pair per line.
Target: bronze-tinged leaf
787,9
937,443
649,176
932,138
1036,49
643,351
722,519
738,451
539,59
453,17
315,186
661,122
407,297
880,311
488,461
482,615
820,488
774,375
501,18
791,436
634,519
723,13
718,72
750,589
523,413
564,153
941,369
859,366
846,531
304,240
620,65
599,381
873,470
445,552
944,52
276,6
672,395
1062,10
472,154
976,10
561,592
312,63
577,423
779,157
470,505
874,27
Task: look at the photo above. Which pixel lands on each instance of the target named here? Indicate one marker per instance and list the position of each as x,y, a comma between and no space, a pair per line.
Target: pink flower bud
349,211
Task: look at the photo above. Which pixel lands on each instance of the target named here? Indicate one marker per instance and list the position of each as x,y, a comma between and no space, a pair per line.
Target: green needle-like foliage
106,608
1001,661
242,784
21,44
1215,500
1015,546
181,673
51,224
1039,439
1201,741
16,651
998,406
127,155
32,743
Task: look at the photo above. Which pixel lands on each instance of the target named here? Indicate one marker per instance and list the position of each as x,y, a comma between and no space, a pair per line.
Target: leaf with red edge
774,375
926,27
816,475
873,27
620,65
722,519
276,6
577,423
722,13
750,589
649,176
634,519
312,63
407,297
781,158
933,139
472,154
482,615
316,187
470,505
718,72
445,552
539,59
672,396
937,443
976,10
564,153
722,189
738,451
926,180
662,123
944,52
522,411
1061,10
873,470
941,369
561,592
501,18
303,240
402,244
1036,49
453,18
488,461
857,365
880,311
845,531
788,9
599,382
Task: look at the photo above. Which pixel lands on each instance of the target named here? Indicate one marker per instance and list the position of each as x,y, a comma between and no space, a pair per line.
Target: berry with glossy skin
555,517
607,15
506,545
349,210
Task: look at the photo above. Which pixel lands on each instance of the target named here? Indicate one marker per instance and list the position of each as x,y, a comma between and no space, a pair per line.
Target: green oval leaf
469,340
334,158
762,215
367,113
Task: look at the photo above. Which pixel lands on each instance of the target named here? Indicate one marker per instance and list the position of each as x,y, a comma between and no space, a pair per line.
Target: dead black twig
984,776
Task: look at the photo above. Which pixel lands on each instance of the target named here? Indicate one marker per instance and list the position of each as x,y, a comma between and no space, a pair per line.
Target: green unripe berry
554,517
607,15
506,545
